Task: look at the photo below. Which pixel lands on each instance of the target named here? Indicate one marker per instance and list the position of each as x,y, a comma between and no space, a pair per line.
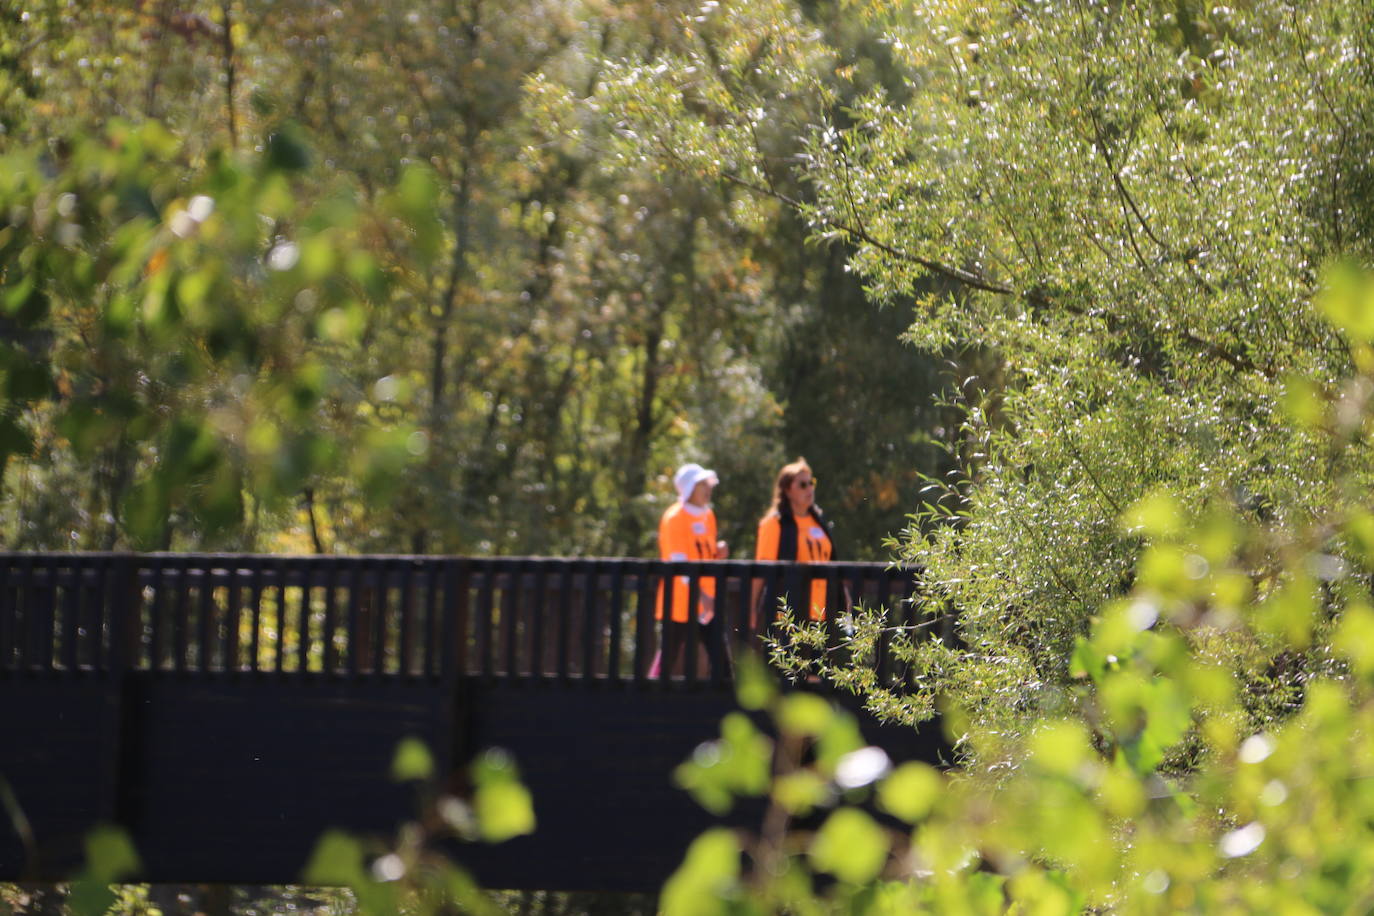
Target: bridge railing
512,618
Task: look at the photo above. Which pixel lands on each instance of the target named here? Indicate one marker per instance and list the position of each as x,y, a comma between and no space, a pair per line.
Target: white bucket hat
688,476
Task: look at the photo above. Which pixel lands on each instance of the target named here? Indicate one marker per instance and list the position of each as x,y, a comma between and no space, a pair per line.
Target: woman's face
701,493
802,491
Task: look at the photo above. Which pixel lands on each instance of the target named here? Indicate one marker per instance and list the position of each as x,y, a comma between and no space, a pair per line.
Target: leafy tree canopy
1131,206
526,332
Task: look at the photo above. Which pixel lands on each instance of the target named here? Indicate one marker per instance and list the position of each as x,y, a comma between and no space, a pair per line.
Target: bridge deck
227,709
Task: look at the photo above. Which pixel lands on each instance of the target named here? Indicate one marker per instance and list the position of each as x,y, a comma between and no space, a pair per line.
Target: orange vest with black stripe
804,538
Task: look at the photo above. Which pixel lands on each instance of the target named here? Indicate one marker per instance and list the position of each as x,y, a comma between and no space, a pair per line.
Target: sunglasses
807,484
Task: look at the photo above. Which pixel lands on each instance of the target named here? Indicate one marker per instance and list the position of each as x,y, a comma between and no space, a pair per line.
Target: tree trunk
637,456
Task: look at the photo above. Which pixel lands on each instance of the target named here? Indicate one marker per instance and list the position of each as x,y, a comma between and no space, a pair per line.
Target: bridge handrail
393,615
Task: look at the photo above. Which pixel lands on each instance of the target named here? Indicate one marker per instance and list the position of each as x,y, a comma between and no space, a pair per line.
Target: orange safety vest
685,535
812,545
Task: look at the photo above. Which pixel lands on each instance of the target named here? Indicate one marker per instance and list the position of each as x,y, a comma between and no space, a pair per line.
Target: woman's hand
706,609
722,550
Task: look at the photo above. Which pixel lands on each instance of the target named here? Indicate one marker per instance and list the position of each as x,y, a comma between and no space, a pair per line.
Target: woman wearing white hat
687,531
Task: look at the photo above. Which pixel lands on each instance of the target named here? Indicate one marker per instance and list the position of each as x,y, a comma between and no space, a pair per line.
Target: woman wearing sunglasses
794,529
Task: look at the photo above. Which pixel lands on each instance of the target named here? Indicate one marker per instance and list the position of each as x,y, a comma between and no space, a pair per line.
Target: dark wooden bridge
227,709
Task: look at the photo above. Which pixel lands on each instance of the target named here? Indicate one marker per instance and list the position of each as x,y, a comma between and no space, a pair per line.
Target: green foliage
110,857
736,764
430,310
1125,209
703,884
175,349
1160,789
503,807
413,761
816,762
410,874
850,845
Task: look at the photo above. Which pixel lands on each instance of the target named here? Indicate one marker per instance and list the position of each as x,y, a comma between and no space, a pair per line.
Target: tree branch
229,73
965,277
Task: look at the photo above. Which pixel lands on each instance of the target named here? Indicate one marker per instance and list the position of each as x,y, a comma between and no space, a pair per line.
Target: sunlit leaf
911,791
703,883
804,714
754,684
110,854
1157,515
1347,299
850,845
800,791
1355,638
1061,748
737,764
1303,401
412,761
503,805
336,860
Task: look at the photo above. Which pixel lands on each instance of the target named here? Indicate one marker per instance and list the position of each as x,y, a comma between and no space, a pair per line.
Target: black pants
677,638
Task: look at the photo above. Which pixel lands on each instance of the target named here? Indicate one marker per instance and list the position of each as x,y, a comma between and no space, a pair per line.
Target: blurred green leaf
1289,615
1164,568
1121,791
1157,515
191,448
986,893
342,324
706,880
851,846
337,860
110,855
160,310
336,213
1168,711
804,714
90,897
1354,638
503,806
754,685
192,290
1303,401
412,761
1359,530
800,791
1086,661
119,315
146,509
25,303
364,270
318,258
1347,300
157,140
737,764
293,462
307,386
381,463
415,202
911,791
839,736
1061,748
466,893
